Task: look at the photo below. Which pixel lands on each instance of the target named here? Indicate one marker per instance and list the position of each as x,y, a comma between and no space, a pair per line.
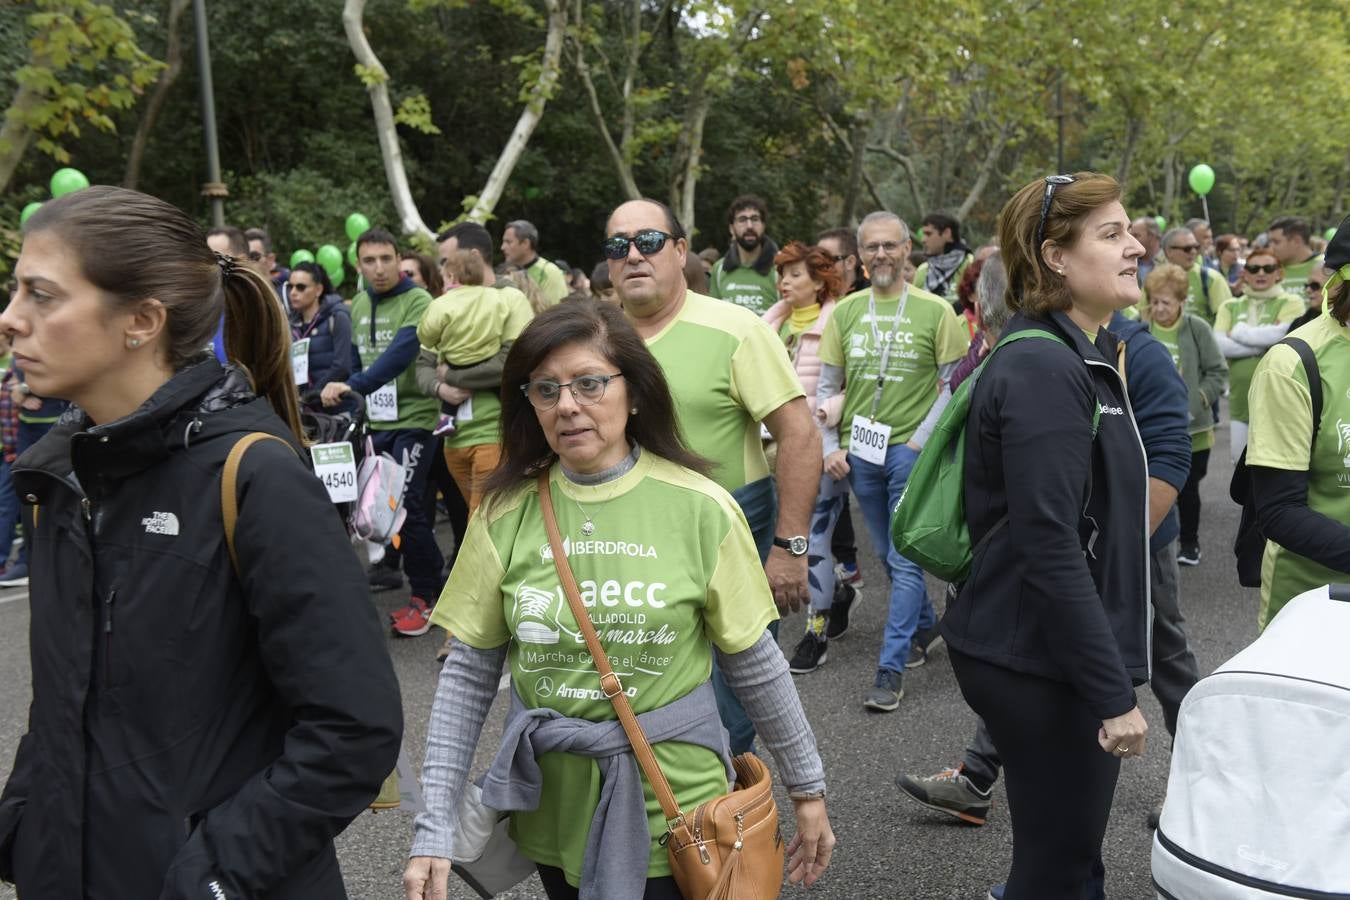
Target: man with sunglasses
1247,327
1208,291
261,256
1312,294
728,372
746,276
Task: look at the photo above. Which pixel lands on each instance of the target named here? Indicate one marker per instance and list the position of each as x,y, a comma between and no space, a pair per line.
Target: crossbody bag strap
610,685
1309,360
229,478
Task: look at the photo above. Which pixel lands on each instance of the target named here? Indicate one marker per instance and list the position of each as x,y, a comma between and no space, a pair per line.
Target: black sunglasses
1051,182
255,256
1254,268
1188,248
298,286
649,241
1313,287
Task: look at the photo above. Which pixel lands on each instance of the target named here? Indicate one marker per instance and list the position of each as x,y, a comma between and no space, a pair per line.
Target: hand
31,403
836,465
810,849
451,394
426,878
441,370
333,392
787,577
913,446
1129,731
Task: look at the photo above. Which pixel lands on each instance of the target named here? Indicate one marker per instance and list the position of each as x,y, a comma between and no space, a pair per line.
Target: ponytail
258,338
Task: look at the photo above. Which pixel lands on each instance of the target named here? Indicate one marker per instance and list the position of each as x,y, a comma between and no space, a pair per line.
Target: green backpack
928,526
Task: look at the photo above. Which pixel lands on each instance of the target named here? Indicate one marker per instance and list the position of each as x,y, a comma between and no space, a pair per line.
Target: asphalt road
888,847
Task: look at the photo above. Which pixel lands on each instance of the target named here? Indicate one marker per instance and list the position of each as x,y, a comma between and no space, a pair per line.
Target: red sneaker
417,621
403,612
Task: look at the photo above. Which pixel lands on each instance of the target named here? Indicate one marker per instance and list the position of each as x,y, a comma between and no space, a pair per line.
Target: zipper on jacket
87,508
108,636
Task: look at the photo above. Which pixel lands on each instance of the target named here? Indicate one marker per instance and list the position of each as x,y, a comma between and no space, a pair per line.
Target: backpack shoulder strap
229,480
1051,336
1305,353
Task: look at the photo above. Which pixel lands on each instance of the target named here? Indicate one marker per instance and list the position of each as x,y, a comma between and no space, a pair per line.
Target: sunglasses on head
1270,269
648,241
1051,183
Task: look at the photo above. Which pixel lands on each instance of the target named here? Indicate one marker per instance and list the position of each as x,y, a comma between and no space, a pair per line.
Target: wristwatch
794,545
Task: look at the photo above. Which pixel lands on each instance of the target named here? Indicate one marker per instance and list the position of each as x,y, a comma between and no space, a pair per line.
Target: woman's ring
1122,749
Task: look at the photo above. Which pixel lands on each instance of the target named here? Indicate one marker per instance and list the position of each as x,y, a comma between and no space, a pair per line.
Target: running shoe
1189,554
384,577
884,696
809,655
418,620
919,644
14,576
444,425
949,791
849,573
845,599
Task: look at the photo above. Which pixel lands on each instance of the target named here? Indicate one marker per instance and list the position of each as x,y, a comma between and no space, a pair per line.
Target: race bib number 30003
868,440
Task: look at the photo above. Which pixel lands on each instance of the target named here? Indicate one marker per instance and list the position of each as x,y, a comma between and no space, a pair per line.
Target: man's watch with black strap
794,545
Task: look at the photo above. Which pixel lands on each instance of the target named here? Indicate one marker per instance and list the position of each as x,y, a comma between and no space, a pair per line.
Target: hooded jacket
330,342
192,736
1061,589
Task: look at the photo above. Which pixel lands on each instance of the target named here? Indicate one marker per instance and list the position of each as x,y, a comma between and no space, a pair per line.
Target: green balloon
1330,233
64,181
357,225
35,206
1162,223
300,256
336,277
1201,179
330,257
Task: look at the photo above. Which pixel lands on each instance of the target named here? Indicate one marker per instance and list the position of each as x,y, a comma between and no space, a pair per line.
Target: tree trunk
16,135
857,137
689,152
1169,201
1132,128
173,57
986,169
622,168
529,117
410,220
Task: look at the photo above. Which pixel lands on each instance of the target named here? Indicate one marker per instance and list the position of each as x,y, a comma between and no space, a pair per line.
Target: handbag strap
610,685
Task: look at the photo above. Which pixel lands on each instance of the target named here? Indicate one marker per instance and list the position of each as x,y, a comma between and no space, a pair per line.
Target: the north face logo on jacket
161,523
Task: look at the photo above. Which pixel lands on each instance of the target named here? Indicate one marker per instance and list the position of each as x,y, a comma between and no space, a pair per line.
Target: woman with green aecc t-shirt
670,575
1302,498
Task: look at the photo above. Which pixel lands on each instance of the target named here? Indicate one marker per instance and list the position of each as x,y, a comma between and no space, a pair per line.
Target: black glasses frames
649,241
1267,270
1051,183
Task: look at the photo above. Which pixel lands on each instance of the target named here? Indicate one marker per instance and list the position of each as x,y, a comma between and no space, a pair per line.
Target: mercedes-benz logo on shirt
544,687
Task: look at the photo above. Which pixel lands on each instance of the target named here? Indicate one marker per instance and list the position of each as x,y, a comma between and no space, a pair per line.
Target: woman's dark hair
1338,299
162,254
319,274
431,275
525,450
1033,287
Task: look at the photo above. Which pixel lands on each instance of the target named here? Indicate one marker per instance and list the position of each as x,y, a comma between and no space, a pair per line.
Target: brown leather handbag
729,848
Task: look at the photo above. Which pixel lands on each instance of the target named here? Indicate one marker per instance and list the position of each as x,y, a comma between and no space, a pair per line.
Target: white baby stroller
1258,801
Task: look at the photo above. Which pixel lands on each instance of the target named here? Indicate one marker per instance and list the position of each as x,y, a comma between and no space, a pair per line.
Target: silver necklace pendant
588,528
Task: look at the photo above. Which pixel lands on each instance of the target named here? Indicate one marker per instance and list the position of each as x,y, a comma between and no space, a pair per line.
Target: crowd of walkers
211,708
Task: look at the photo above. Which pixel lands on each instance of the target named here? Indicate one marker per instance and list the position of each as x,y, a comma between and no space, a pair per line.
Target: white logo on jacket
1110,410
161,523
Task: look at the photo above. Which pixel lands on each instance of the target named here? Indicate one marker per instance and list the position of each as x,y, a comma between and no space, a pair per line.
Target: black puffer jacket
1062,589
191,736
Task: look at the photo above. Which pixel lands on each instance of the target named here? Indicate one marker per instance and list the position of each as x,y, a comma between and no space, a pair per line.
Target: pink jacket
807,361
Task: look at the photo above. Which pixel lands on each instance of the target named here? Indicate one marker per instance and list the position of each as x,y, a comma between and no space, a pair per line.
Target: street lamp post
214,189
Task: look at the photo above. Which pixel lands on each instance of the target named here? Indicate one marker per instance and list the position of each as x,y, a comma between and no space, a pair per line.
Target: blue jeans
830,501
9,511
878,489
422,559
759,502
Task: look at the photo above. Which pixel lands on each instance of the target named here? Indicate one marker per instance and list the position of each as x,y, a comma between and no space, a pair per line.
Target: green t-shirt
1205,296
727,371
1281,429
1253,311
1170,338
744,286
551,280
670,571
1296,276
929,335
478,421
415,409
464,325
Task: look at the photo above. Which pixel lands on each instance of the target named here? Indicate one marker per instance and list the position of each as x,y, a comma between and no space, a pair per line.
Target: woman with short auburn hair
587,407
1048,636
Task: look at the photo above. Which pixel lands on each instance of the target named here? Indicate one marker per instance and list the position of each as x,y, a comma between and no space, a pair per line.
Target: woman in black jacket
1049,634
199,729
321,320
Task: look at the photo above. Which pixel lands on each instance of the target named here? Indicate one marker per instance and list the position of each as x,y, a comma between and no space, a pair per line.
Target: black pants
1059,781
557,888
442,481
1188,501
843,545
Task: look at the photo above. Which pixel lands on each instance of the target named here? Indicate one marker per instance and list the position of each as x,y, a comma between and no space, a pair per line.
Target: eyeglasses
747,220
838,258
1051,182
1268,270
649,242
891,247
294,286
1313,287
1185,248
587,390
255,256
